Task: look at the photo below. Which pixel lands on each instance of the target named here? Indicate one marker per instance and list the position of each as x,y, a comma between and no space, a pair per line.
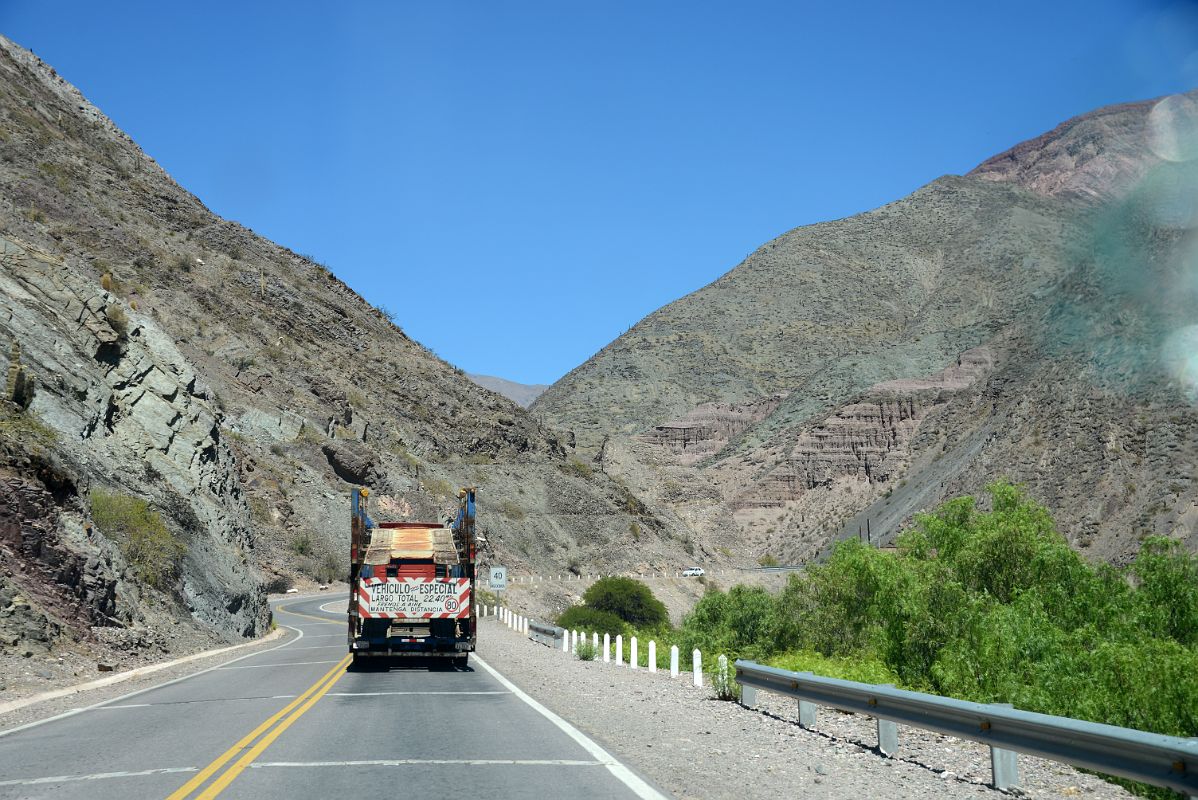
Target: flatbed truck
411,585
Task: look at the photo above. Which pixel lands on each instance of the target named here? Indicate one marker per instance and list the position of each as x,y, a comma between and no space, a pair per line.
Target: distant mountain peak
1095,156
522,394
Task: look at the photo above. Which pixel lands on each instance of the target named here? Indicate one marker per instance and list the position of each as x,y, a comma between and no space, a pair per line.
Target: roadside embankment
697,747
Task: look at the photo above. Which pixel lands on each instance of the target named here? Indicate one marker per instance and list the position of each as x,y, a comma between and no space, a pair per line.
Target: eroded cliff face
708,428
57,577
130,415
866,441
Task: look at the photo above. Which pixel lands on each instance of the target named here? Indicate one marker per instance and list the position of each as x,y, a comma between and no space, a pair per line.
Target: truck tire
461,662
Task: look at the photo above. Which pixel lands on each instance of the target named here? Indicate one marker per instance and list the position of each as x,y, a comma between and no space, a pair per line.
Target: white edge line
15,705
120,677
75,711
96,777
622,773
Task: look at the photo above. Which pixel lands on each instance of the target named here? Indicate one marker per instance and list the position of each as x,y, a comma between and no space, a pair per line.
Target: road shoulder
34,709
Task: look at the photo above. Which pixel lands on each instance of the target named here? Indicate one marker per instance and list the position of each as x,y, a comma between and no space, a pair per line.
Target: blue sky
521,182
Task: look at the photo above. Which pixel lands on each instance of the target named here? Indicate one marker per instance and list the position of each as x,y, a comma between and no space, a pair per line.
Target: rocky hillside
1032,319
187,404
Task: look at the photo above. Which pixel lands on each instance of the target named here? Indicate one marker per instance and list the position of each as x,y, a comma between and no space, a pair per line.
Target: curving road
291,721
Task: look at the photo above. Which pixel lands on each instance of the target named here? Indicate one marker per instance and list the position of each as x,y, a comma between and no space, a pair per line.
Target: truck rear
411,588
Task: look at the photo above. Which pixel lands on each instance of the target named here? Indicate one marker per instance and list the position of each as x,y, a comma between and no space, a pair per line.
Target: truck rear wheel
461,662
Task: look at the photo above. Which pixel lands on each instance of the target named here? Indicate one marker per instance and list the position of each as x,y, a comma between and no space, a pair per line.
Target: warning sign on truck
414,598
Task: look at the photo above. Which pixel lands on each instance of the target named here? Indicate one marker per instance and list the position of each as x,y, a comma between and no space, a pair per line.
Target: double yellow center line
289,714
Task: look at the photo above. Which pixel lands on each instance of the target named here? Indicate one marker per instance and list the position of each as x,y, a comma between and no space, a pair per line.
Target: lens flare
1169,195
1173,128
1180,357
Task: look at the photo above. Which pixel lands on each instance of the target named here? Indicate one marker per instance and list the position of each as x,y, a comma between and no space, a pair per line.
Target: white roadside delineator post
595,641
652,656
607,647
673,661
697,665
619,649
632,653
565,641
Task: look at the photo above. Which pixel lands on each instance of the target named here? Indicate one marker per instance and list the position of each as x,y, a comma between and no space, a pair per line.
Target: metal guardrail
1168,761
548,635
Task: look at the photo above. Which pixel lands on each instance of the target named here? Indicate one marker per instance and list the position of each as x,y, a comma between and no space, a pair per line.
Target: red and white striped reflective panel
414,598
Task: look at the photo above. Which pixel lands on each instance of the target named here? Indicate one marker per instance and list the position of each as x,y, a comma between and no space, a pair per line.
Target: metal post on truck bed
359,540
464,528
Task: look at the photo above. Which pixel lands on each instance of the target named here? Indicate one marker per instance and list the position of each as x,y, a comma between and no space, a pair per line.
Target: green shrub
277,584
439,488
586,650
738,622
409,460
723,679
303,544
628,599
577,468
510,510
117,320
1167,595
325,568
846,668
24,427
591,620
151,550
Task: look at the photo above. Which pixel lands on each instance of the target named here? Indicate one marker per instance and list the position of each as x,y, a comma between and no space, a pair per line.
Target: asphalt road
291,721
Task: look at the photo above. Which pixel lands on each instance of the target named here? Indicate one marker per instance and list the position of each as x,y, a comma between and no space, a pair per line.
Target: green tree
738,623
591,620
1168,589
628,599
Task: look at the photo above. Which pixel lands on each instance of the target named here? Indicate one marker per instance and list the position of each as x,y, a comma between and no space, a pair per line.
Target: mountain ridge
1035,255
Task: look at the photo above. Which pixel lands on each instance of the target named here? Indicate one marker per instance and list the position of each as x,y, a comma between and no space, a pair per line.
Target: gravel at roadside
694,746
